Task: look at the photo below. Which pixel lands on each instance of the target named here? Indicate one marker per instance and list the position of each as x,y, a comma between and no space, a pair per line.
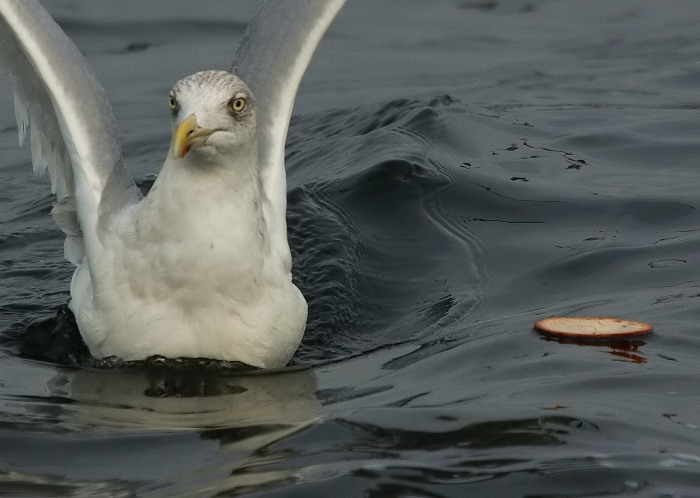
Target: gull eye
172,101
237,104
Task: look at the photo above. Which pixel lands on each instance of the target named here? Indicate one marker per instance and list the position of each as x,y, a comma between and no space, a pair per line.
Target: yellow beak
189,134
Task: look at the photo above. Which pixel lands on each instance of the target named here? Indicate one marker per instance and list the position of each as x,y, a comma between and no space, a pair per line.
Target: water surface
456,173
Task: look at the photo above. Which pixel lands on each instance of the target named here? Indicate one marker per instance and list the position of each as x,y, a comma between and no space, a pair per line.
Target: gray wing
272,58
71,125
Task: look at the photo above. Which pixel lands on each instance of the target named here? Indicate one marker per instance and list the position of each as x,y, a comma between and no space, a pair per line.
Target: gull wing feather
273,56
72,130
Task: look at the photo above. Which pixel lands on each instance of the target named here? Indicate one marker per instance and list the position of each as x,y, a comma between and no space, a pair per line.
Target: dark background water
457,171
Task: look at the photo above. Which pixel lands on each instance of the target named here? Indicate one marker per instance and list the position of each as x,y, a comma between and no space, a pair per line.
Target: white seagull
200,267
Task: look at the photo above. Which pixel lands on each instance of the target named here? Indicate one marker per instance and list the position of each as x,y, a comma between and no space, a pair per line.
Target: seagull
200,267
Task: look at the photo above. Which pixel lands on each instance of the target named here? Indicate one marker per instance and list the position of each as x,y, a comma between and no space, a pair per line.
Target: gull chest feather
196,234
192,268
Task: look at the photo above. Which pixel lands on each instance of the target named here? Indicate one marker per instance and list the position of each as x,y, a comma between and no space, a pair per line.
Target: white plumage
200,267
192,261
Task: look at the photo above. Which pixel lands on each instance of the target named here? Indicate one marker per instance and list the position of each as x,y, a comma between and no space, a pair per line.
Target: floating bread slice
591,327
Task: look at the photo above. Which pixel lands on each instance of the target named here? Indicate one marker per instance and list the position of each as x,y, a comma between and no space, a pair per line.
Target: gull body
192,260
200,267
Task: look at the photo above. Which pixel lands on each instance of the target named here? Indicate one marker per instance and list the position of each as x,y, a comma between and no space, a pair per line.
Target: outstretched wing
71,125
272,58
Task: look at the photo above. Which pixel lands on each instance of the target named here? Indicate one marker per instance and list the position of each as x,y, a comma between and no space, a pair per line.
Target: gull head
213,114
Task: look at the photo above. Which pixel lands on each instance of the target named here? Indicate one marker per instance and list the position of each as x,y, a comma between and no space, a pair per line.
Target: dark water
457,171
